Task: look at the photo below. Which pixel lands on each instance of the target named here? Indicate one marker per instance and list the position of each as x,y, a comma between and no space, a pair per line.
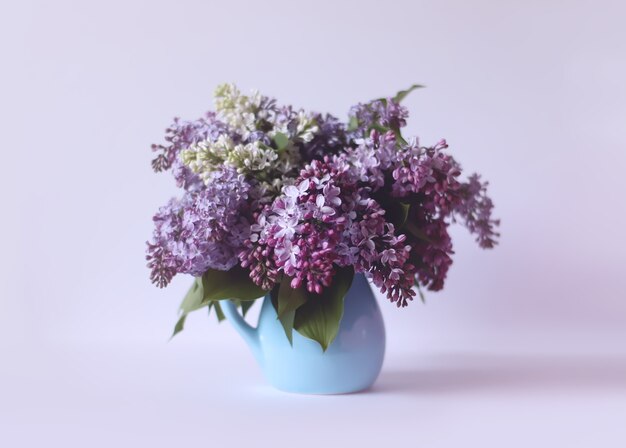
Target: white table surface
195,393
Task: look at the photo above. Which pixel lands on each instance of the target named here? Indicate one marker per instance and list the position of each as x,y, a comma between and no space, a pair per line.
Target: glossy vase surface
351,363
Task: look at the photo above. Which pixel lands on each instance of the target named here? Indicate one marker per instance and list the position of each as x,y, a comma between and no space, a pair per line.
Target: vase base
342,392
328,390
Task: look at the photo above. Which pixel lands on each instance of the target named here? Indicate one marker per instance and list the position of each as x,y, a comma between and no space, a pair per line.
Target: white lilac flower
238,111
306,127
179,136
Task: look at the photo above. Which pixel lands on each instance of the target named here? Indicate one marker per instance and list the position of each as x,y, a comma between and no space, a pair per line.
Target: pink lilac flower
331,223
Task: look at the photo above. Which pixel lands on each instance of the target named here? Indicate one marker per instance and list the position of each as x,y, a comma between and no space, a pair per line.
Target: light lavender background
527,345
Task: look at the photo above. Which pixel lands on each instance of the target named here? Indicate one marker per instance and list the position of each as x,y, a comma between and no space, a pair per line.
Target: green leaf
417,232
232,284
179,325
396,211
400,141
402,94
281,141
353,124
218,311
225,284
420,292
246,305
380,128
286,301
320,316
404,214
290,299
192,301
193,298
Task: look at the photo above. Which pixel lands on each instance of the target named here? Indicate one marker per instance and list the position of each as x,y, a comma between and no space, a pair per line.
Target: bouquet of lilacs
293,203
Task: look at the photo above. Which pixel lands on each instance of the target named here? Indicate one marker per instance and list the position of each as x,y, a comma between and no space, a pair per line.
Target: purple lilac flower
330,139
474,208
427,178
362,118
204,230
391,114
379,252
432,249
180,135
427,171
371,159
323,221
379,113
430,173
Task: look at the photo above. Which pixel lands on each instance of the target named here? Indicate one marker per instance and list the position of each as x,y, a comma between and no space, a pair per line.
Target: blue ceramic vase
351,363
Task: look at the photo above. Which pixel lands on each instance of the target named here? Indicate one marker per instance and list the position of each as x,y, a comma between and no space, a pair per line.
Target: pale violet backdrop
527,344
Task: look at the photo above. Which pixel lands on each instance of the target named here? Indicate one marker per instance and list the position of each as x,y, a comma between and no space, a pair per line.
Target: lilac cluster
427,178
378,114
181,135
292,196
370,161
330,138
474,208
432,247
322,221
432,177
428,171
206,229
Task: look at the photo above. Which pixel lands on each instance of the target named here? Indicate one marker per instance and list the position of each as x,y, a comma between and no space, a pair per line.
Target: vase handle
249,333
